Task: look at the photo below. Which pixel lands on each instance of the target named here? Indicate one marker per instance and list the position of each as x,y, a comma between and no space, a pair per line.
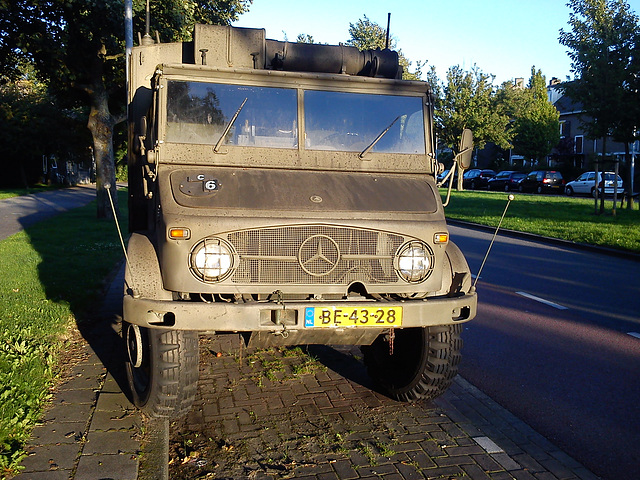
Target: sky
504,38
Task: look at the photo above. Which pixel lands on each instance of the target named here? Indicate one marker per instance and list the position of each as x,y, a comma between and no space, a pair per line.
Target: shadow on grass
81,267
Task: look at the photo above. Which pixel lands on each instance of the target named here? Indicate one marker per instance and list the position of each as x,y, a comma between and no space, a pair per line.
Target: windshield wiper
229,125
382,133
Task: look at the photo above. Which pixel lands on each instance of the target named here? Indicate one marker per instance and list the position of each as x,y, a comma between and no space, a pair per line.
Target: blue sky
502,37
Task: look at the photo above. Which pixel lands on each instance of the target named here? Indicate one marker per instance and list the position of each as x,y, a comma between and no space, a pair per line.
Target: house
576,150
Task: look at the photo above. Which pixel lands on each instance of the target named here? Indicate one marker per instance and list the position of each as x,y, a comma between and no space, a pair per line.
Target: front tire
162,369
424,361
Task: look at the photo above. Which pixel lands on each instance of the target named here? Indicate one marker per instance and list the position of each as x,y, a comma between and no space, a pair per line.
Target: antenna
147,39
386,42
510,198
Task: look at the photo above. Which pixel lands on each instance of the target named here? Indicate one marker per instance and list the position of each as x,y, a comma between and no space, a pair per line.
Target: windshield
223,114
199,112
353,121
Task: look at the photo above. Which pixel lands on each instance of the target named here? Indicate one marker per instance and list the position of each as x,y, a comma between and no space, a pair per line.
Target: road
557,342
18,213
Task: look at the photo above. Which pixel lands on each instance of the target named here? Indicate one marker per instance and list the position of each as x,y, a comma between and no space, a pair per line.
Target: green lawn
51,274
567,218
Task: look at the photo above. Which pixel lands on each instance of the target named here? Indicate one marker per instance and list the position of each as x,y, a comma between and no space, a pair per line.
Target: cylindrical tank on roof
312,57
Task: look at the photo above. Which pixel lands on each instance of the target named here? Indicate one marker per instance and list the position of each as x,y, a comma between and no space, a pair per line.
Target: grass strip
52,274
17,192
566,218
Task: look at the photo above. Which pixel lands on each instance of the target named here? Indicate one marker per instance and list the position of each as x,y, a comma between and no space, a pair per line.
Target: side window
591,177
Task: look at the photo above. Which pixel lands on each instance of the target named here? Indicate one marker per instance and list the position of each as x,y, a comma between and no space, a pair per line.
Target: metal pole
128,39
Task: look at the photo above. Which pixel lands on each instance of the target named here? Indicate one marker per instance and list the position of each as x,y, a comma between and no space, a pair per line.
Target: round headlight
414,262
211,260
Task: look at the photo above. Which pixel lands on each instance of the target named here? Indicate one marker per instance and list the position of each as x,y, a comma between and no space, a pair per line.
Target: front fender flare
142,276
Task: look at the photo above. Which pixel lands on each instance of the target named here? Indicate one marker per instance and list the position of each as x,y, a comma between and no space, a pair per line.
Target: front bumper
273,317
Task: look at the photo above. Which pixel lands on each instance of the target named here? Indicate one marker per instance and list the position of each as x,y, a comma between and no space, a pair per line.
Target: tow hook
279,317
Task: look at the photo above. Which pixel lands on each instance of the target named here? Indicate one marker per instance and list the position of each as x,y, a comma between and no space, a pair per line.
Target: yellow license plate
337,317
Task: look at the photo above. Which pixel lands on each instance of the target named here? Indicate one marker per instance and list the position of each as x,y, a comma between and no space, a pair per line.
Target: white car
585,183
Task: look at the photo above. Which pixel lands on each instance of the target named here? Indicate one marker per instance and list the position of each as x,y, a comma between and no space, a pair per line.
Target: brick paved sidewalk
255,418
91,431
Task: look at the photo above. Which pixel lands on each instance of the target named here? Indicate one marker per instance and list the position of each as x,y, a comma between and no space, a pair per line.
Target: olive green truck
285,193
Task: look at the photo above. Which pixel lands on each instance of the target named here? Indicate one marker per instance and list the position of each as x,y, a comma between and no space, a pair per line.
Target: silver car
586,184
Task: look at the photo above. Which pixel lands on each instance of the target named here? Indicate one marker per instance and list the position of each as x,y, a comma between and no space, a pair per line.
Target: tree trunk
604,152
101,124
629,179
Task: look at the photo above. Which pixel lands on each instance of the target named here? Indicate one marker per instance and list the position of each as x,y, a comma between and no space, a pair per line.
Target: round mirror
466,149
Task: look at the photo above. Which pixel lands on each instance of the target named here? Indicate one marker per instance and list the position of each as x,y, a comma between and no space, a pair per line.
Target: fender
142,276
460,273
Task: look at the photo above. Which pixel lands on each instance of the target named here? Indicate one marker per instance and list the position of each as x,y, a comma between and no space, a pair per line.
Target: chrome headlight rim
224,260
414,262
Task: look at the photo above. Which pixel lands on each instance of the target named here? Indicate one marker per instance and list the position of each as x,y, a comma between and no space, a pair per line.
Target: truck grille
314,254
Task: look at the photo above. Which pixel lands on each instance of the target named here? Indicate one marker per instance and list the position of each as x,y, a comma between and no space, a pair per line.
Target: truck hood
282,190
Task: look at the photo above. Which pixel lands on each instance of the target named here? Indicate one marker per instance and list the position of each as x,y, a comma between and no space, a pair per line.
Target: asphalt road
557,342
18,213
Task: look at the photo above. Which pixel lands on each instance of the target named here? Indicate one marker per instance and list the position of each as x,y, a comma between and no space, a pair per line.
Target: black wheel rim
140,377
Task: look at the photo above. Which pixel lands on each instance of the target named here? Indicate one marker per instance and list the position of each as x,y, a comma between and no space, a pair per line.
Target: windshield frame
296,157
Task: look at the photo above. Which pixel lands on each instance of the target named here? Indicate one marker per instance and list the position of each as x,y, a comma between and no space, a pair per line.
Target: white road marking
634,334
542,300
488,445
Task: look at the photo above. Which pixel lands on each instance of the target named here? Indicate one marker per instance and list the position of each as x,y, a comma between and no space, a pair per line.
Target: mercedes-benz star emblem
319,255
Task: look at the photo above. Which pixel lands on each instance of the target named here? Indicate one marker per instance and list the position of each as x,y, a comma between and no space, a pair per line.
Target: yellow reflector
441,238
179,233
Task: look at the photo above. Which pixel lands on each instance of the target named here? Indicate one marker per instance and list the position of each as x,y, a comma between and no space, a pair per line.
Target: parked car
585,183
477,178
445,173
541,181
506,180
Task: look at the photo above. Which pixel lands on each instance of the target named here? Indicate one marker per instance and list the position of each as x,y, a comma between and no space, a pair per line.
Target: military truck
285,193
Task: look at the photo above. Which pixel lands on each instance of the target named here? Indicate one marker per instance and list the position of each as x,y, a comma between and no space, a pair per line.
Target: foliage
45,286
79,45
305,38
366,34
468,100
535,121
603,44
33,125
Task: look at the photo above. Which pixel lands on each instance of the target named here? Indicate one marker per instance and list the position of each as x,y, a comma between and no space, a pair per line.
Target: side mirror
143,125
463,158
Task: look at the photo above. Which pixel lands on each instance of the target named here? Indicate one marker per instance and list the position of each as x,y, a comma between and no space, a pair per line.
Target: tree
304,38
33,125
366,34
604,55
468,100
534,120
80,44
